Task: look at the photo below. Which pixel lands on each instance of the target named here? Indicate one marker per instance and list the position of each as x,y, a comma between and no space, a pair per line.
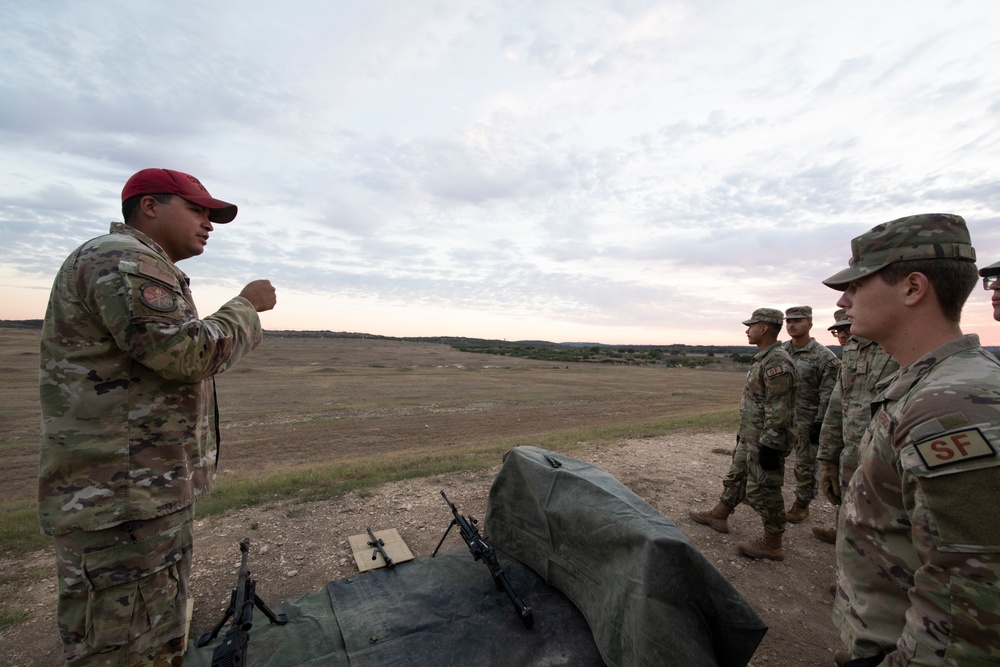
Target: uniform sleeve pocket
955,498
153,291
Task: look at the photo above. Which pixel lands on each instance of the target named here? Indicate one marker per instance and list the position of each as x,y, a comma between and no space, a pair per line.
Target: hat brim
840,281
219,211
839,324
991,270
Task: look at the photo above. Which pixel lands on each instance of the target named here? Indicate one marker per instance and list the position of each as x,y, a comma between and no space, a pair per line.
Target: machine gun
481,550
232,652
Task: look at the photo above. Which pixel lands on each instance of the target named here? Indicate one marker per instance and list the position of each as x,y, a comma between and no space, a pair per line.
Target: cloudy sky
621,172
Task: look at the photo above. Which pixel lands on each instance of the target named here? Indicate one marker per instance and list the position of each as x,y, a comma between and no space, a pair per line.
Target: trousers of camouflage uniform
123,592
761,489
806,485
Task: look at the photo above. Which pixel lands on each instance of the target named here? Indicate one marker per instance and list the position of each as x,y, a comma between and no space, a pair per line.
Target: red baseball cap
186,186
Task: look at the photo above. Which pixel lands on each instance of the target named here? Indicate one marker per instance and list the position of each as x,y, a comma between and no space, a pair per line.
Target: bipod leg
209,636
277,619
447,530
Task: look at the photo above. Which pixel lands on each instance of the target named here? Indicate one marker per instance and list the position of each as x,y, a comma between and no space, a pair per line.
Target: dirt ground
359,398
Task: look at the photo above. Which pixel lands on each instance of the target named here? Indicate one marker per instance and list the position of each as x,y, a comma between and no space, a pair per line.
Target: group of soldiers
819,419
788,395
901,434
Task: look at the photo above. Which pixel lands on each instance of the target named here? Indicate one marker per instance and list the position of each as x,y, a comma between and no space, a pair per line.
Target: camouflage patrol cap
991,270
796,312
769,315
840,315
924,236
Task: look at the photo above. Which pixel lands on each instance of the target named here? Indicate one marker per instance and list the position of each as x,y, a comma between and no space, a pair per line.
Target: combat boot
715,518
824,534
799,511
769,547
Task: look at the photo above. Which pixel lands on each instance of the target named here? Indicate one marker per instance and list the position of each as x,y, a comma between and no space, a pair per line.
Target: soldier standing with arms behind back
918,543
130,427
816,370
766,435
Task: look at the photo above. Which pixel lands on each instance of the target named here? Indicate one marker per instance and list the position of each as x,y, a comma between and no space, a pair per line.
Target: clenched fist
260,294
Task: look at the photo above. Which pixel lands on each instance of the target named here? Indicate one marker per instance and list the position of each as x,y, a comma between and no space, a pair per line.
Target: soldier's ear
147,206
915,288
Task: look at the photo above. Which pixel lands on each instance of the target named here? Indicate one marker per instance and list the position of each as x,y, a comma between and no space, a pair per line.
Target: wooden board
394,546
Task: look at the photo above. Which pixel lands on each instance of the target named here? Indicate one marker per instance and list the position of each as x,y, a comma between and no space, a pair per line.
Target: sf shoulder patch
956,447
772,371
157,297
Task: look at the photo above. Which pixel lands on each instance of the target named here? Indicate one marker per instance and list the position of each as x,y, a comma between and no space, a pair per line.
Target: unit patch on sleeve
773,371
157,297
956,447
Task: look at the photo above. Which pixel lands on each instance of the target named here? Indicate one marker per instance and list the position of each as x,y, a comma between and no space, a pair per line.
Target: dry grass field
375,407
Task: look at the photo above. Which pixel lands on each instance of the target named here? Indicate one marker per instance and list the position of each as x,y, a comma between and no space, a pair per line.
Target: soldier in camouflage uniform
130,422
765,437
816,370
918,542
841,328
863,367
991,283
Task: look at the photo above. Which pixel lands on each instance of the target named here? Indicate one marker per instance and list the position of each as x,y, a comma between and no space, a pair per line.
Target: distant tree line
21,324
675,355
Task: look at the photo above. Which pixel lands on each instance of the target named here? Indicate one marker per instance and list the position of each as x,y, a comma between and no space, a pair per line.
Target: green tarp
648,594
446,611
428,612
609,580
311,638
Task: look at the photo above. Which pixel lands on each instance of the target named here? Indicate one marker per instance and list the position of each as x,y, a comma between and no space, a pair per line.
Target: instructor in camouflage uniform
918,544
765,437
816,370
130,421
863,367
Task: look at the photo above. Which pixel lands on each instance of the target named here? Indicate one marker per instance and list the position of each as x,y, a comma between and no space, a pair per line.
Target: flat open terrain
297,403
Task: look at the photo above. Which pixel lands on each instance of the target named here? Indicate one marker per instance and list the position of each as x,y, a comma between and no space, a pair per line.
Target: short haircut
773,328
130,205
953,280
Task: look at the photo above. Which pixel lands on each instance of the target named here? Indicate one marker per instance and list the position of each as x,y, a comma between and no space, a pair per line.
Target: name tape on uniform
951,448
